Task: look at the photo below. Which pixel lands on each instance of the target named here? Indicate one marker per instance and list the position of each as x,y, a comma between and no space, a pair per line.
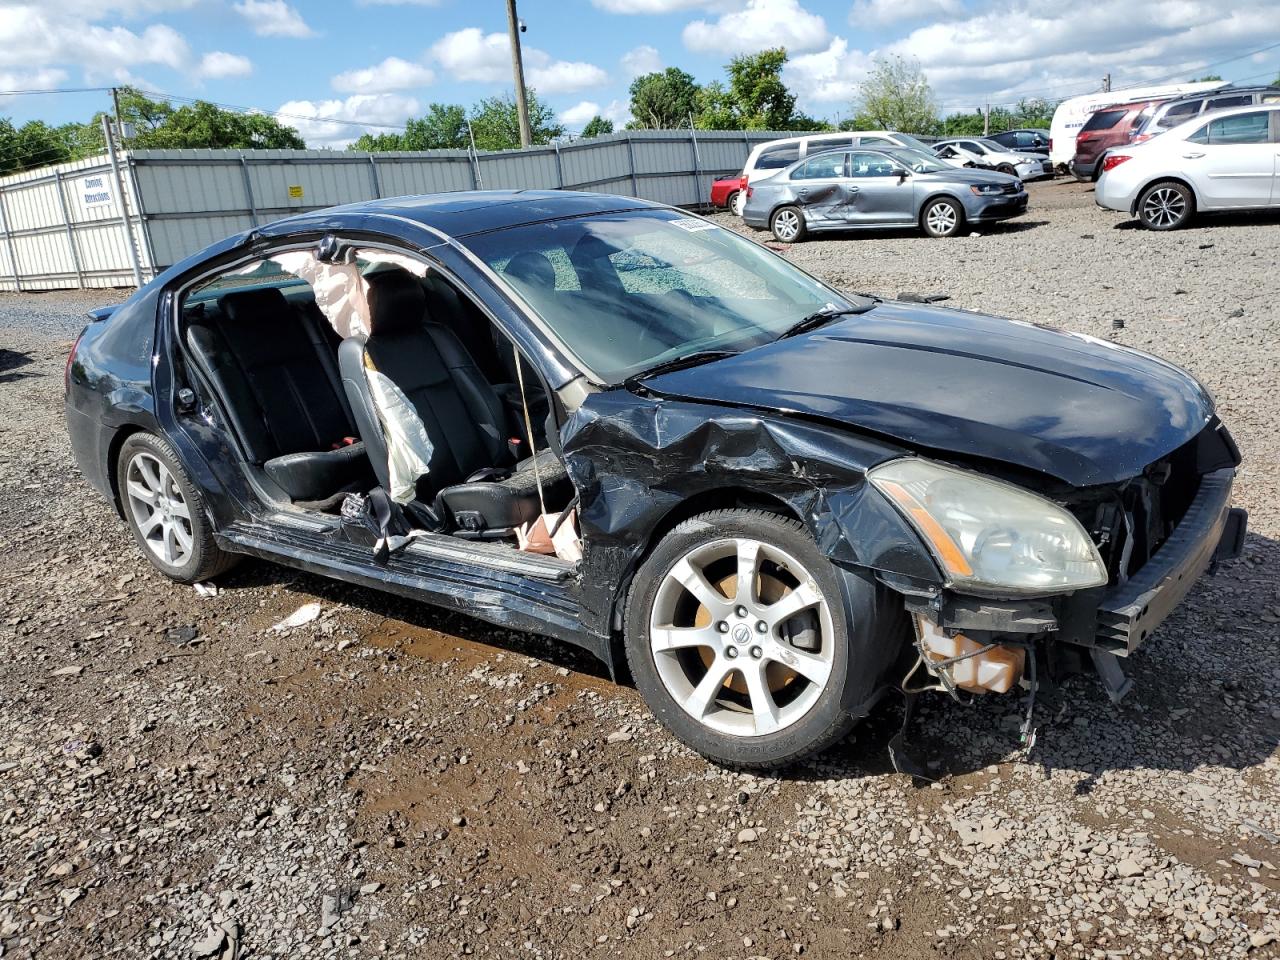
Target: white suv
990,155
768,158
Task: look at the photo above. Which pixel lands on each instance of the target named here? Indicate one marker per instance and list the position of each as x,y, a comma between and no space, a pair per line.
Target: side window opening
1242,128
266,337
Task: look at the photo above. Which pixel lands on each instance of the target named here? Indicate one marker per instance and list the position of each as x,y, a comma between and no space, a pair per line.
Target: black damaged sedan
608,421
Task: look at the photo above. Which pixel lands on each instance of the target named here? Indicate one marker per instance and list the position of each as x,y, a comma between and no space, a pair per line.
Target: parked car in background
1106,128
724,191
989,155
1226,160
1171,113
868,189
1029,140
766,159
1071,114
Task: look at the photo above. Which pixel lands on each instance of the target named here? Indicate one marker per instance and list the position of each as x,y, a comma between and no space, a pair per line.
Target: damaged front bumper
1099,624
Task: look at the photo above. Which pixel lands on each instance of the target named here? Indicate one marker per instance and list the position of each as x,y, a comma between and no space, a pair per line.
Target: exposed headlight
987,189
990,534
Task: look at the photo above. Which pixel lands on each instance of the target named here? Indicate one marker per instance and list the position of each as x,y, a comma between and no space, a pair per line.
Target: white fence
72,225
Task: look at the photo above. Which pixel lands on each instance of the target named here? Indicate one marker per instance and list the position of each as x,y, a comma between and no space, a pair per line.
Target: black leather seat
284,398
473,479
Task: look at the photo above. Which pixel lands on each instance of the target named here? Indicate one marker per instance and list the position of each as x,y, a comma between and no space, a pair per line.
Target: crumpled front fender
636,460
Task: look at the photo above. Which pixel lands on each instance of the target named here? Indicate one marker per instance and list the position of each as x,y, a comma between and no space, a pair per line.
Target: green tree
759,96
663,100
715,108
496,126
596,126
896,96
1207,78
442,127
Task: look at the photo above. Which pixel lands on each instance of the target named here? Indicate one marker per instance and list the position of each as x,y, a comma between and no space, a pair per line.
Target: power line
41,90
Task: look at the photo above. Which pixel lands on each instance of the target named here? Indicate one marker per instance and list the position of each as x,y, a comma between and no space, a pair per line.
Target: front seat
473,480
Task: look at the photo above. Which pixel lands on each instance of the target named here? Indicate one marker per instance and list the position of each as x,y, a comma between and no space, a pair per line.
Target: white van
768,158
1072,114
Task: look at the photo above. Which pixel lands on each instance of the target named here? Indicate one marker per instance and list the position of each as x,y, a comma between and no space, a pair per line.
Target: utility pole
515,28
115,102
986,120
1106,83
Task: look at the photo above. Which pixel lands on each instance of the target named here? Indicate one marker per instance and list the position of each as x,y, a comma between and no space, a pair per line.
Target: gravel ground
178,778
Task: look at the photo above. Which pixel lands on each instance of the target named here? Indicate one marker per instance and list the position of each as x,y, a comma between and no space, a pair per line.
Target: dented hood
1072,407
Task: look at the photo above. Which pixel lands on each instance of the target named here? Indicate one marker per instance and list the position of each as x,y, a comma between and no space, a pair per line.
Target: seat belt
528,429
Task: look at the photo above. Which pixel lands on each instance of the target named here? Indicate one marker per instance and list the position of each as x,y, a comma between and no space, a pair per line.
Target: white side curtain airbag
408,447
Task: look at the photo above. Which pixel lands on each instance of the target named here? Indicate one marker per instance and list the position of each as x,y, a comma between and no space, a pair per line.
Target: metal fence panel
60,229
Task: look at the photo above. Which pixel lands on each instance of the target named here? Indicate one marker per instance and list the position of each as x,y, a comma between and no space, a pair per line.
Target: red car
1106,128
725,191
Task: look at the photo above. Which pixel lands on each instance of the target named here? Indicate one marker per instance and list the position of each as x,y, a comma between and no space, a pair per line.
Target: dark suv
1024,141
1106,128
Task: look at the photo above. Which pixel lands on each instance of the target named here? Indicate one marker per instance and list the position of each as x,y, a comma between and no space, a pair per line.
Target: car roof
466,212
1222,92
1211,115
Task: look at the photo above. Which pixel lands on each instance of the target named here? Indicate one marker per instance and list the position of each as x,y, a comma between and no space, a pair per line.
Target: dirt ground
179,779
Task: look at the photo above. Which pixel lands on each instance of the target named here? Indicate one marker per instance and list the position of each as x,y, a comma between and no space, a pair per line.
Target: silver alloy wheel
726,660
786,224
1164,207
942,219
159,509
739,202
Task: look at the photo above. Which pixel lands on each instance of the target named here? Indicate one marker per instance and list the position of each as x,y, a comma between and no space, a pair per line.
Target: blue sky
331,66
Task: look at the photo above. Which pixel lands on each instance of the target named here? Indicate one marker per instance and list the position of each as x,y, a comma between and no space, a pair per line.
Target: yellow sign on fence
295,191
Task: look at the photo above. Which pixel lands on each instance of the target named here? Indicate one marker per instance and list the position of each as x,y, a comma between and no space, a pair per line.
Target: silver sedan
868,189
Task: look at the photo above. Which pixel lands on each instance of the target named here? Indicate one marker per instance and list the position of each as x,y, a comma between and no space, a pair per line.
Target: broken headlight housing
988,534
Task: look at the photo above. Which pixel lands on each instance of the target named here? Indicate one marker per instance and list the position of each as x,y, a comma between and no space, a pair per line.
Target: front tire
737,636
165,511
1166,206
1008,168
787,224
942,217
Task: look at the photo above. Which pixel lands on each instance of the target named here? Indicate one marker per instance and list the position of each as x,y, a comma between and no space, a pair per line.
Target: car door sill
491,581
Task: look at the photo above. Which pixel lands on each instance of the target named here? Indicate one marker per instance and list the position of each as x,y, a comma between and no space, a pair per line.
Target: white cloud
218,64
273,18
471,55
1059,50
46,78
827,76
619,111
389,75
761,25
577,116
649,6
335,123
881,13
399,3
564,76
641,60
43,37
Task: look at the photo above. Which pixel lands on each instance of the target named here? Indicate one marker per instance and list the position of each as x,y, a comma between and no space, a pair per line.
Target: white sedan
1227,160
989,155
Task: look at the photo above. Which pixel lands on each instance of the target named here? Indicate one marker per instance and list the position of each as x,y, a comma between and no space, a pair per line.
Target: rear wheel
942,217
787,224
738,201
732,201
737,637
1165,206
165,511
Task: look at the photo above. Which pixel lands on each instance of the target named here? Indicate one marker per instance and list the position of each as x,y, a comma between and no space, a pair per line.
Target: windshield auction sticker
689,225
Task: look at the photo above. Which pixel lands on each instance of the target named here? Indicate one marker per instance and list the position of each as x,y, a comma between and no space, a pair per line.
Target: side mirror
901,173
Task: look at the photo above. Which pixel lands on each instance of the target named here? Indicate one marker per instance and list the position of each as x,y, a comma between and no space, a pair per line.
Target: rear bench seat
280,378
